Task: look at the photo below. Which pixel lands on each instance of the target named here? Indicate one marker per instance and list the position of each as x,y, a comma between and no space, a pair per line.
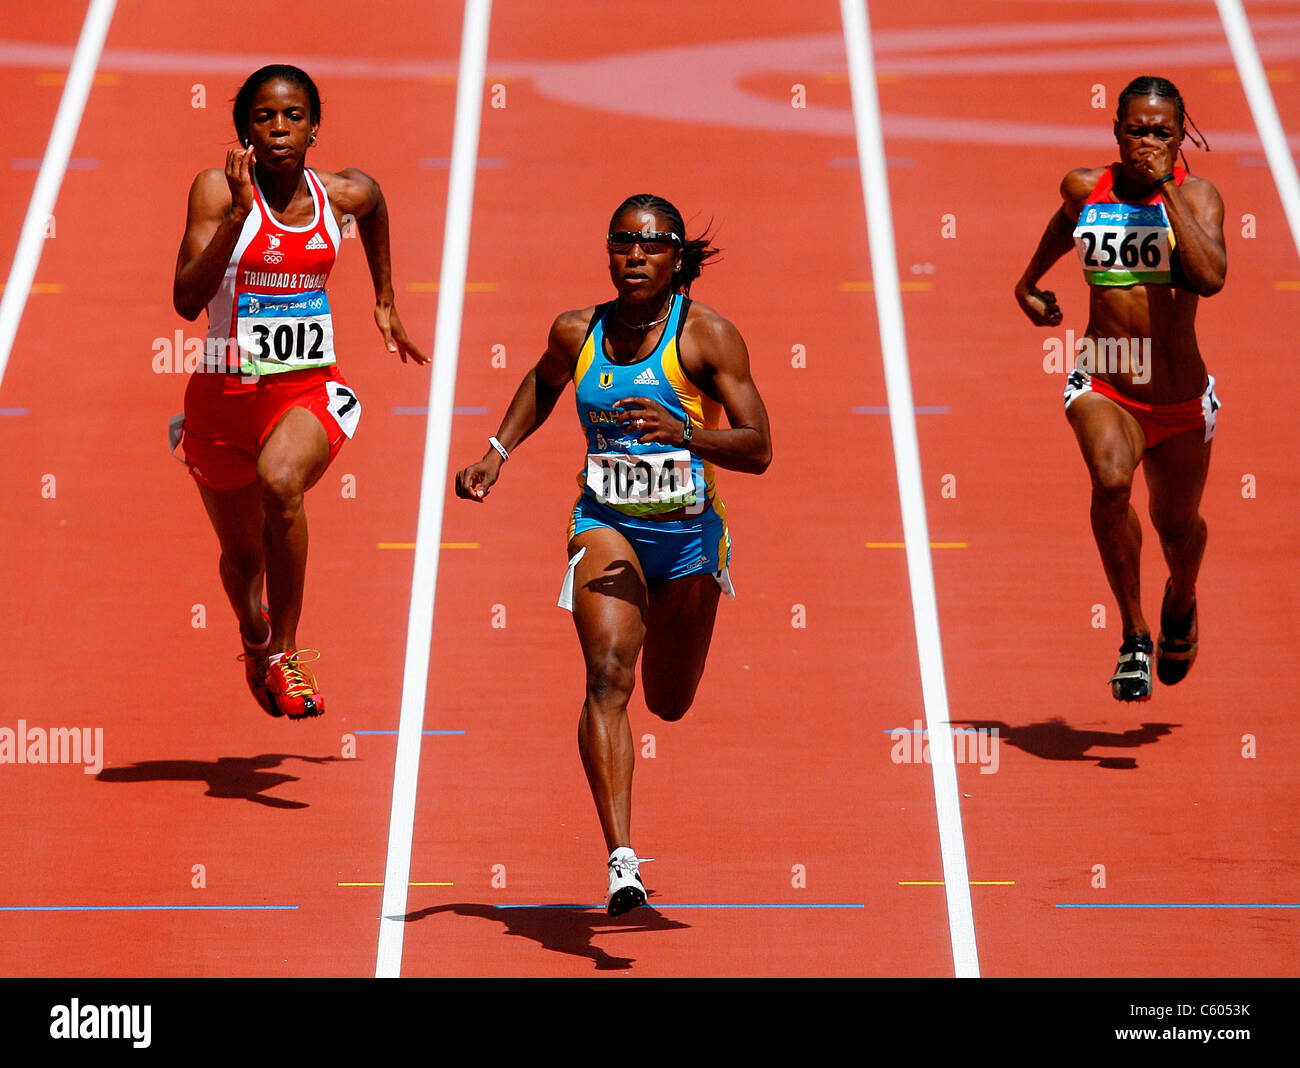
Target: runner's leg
1112,443
679,629
293,458
609,606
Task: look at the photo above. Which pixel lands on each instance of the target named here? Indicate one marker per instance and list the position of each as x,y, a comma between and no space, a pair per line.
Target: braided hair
1148,86
694,252
273,72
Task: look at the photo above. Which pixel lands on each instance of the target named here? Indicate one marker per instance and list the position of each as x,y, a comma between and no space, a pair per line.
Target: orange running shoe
255,659
292,688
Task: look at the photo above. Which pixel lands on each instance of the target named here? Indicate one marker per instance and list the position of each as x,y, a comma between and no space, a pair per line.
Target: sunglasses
652,242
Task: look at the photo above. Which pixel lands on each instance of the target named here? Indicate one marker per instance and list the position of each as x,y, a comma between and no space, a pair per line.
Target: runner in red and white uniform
1150,240
269,409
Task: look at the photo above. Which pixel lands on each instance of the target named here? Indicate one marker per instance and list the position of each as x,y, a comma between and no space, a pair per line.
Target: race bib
644,483
279,332
344,406
1124,244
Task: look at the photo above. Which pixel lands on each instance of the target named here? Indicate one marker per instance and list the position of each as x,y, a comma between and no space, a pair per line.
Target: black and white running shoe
626,891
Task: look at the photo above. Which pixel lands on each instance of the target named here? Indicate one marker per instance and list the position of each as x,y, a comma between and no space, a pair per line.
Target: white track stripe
907,460
1264,111
433,481
57,150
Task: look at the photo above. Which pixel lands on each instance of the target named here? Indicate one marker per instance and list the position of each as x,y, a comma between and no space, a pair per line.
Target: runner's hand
1153,161
475,482
239,166
395,339
650,420
1040,305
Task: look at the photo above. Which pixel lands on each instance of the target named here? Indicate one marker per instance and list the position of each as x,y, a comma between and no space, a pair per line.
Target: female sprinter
1150,236
269,412
648,540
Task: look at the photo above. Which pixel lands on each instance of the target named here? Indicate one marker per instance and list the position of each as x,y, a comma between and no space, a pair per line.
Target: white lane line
907,460
57,150
433,481
1263,110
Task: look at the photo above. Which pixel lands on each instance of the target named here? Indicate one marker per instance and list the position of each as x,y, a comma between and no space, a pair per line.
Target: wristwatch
687,431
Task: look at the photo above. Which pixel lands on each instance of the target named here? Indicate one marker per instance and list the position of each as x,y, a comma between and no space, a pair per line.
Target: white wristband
499,448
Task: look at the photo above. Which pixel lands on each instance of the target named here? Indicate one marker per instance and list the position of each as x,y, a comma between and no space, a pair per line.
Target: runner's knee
610,679
282,488
1112,480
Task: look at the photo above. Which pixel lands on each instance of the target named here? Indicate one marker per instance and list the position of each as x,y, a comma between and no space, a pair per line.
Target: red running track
786,759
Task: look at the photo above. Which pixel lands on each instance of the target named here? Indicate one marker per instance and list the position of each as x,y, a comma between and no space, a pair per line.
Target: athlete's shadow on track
1054,739
238,777
564,928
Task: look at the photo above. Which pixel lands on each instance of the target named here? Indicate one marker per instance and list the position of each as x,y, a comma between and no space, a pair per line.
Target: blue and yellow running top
622,472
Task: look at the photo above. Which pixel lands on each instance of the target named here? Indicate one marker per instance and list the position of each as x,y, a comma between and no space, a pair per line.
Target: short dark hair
273,72
694,252
1147,86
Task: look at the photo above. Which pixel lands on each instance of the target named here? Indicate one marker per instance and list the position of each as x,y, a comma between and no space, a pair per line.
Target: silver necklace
645,326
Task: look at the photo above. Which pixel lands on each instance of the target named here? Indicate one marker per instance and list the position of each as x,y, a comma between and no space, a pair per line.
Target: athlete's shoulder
210,192
570,330
1202,195
1077,185
350,190
705,327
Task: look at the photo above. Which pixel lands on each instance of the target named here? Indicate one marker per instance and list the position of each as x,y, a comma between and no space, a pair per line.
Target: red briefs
228,418
1159,422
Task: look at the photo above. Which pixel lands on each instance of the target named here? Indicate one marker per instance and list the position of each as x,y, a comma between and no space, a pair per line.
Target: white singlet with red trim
271,314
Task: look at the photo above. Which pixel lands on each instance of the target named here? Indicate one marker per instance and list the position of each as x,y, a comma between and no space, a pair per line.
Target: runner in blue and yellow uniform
649,546
1150,239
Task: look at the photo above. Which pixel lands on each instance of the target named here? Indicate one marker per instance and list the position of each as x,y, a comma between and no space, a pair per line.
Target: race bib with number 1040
1124,244
642,483
280,332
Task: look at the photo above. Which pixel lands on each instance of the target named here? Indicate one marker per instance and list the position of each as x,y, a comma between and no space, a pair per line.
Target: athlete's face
279,124
1149,136
639,275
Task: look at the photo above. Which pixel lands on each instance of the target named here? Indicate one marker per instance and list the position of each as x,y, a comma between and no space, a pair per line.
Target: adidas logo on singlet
646,378
316,241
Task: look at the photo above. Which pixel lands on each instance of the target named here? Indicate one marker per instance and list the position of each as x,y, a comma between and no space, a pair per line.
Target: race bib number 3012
1124,244
642,483
284,332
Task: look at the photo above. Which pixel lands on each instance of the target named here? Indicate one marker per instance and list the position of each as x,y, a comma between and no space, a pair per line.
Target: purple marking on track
890,161
883,409
442,163
33,163
14,411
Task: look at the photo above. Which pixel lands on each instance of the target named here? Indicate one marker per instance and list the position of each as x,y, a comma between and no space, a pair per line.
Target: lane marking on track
58,77
38,288
1264,111
1289,286
907,461
433,482
441,545
1180,905
903,545
33,163
58,150
433,287
710,905
408,884
441,163
422,732
939,882
920,409
147,908
420,409
15,411
869,287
